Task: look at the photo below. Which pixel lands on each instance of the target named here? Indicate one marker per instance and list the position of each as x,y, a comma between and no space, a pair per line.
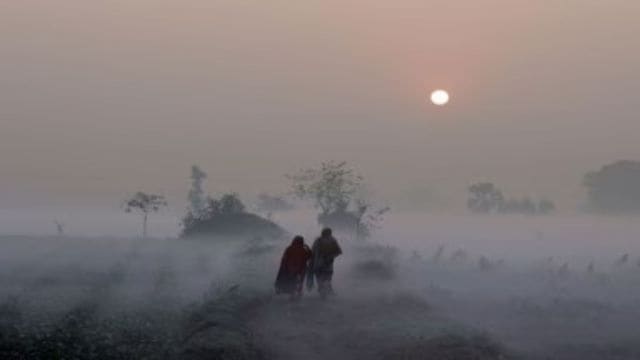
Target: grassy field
82,298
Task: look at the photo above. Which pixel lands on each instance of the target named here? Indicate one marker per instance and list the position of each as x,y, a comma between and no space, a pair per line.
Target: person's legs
329,284
320,282
324,283
297,292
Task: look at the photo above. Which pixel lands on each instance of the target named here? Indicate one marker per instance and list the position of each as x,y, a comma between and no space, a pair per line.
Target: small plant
145,204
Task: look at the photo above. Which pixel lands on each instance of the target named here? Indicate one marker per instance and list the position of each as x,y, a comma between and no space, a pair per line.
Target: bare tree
145,204
196,197
367,218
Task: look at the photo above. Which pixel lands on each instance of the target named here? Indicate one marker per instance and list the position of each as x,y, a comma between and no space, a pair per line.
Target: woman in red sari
293,268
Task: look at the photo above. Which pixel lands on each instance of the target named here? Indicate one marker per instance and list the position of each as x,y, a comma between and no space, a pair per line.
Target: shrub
227,216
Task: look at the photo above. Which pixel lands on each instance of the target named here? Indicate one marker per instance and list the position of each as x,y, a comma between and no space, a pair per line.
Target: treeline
485,198
614,189
334,188
339,195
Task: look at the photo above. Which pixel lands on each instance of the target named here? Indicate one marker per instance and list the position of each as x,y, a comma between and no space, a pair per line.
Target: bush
375,262
227,216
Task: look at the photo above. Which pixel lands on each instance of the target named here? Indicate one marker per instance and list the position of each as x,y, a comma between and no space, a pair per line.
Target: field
398,298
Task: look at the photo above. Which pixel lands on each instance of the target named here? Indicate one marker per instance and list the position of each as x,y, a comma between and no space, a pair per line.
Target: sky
99,99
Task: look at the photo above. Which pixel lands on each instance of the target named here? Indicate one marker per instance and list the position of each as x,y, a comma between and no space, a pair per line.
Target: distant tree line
486,198
336,190
615,188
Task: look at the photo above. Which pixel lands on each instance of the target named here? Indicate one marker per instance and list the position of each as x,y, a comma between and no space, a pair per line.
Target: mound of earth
235,225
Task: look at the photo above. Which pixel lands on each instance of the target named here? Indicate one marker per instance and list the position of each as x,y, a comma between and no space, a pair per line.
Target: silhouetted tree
509,206
526,206
331,187
196,197
546,207
227,204
337,191
484,198
367,218
615,188
145,204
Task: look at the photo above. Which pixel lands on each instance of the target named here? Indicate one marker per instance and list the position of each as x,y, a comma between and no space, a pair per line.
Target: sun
439,97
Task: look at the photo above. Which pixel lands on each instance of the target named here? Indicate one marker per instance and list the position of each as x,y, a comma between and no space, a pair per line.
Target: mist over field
514,287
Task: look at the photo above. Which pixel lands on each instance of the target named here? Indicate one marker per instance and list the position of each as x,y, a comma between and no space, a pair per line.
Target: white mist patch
538,286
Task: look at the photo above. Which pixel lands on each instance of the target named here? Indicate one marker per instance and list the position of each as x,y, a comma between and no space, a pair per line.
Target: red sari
293,267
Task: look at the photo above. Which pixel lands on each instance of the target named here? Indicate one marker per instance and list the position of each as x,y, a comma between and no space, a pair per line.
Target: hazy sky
101,98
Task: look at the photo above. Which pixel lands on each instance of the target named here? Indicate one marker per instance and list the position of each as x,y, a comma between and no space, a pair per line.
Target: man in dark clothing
293,267
325,249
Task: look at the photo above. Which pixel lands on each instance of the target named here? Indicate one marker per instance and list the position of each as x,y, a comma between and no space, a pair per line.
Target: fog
532,297
98,99
502,225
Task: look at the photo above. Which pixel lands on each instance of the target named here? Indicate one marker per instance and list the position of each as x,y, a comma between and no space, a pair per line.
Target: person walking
293,267
324,251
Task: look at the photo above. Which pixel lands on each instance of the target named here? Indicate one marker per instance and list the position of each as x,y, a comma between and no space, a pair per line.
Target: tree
197,200
615,188
338,192
145,204
331,187
524,206
368,218
484,198
227,204
527,206
546,207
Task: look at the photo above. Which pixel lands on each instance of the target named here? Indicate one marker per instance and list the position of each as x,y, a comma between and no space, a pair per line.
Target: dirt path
342,327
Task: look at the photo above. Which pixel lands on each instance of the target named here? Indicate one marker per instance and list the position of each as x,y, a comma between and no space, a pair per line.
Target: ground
363,326
175,299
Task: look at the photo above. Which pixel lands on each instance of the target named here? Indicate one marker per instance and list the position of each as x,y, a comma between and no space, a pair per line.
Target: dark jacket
325,249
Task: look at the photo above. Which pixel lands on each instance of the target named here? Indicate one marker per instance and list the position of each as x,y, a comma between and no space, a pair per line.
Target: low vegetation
228,217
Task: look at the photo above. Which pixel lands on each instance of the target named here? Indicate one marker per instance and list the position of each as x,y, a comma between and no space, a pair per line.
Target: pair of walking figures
299,262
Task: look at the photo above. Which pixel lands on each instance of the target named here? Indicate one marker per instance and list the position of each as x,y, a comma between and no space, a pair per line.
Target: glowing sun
439,97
